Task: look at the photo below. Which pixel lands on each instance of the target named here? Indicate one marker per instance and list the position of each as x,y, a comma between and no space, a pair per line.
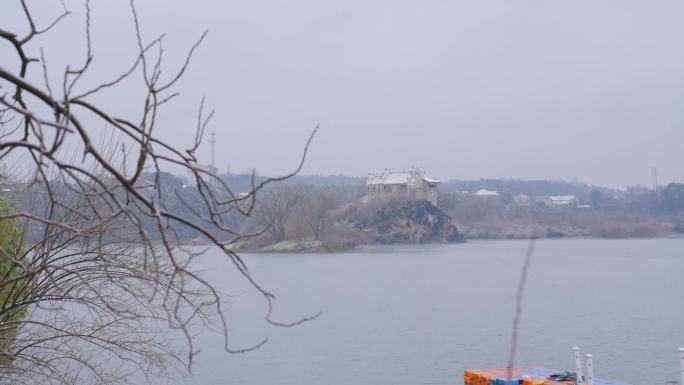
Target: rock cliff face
410,222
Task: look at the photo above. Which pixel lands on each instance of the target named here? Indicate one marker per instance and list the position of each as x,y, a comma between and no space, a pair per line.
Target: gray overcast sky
583,89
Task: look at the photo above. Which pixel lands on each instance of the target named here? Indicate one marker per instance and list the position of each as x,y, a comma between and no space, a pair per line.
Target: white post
681,364
590,369
578,365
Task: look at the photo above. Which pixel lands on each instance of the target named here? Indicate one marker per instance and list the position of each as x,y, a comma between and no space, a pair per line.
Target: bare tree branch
95,273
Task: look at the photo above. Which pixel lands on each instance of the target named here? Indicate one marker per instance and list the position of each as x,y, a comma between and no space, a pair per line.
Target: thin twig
518,309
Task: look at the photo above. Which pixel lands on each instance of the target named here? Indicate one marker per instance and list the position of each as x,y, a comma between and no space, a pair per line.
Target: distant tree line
326,209
668,200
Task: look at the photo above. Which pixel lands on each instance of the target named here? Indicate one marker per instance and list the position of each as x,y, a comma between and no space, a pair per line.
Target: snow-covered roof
412,177
486,192
563,199
393,177
398,177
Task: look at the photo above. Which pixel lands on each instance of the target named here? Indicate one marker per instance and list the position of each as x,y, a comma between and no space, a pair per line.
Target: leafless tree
318,210
101,274
275,207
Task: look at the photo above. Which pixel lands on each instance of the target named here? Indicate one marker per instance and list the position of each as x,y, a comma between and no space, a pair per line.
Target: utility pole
213,153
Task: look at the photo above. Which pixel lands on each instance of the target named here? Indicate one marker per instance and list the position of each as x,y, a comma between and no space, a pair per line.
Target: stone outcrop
416,221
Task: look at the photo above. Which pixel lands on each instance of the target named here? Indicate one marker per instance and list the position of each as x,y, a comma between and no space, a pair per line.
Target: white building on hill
564,200
487,193
411,184
557,200
521,200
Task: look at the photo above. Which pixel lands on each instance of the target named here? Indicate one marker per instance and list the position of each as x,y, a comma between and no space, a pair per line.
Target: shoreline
317,247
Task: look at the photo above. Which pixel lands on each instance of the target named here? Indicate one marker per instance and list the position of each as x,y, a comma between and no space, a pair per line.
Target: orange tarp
525,376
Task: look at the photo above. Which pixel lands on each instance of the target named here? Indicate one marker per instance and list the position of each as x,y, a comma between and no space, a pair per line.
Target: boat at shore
527,376
543,376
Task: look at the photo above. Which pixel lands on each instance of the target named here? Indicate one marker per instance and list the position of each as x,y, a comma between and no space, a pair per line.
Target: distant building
521,200
412,184
487,193
564,200
557,200
543,199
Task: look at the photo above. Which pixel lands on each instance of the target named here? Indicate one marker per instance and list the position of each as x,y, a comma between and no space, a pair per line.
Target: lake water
423,314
